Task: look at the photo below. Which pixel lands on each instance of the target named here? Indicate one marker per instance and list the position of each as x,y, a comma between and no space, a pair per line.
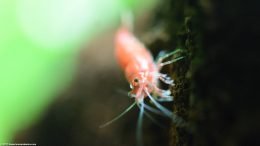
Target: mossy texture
214,92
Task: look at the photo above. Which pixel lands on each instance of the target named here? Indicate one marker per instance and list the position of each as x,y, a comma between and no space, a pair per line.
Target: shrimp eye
135,82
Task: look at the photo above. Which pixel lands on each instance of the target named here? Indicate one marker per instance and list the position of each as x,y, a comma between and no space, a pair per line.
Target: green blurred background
39,43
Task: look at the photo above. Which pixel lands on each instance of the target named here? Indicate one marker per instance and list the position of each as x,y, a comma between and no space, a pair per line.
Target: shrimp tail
127,19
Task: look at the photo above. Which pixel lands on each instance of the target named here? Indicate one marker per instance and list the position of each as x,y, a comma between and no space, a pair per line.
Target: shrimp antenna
152,119
119,116
139,125
153,110
168,113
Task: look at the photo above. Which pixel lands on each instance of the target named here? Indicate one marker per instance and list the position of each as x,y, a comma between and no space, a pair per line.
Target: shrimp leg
162,57
177,120
170,62
160,62
165,79
153,110
165,95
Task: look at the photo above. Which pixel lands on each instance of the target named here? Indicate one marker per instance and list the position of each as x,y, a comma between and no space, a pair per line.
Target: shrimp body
138,65
143,74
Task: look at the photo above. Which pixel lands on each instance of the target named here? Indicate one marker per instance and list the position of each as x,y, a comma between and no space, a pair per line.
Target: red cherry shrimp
143,75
